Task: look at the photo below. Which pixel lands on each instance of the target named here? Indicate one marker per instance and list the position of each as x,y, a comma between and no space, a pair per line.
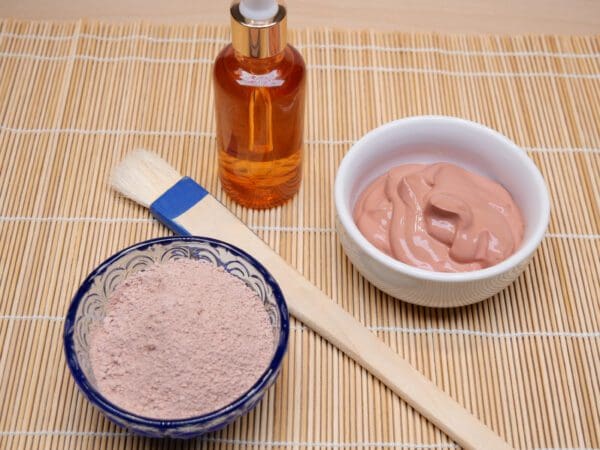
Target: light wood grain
457,16
310,305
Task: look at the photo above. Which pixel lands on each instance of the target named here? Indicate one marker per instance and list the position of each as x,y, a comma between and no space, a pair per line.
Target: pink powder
180,339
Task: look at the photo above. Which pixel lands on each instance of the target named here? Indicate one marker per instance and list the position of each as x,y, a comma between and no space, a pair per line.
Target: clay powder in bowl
176,336
180,338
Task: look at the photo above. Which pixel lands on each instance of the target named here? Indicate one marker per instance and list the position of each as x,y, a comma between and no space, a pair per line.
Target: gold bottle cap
258,38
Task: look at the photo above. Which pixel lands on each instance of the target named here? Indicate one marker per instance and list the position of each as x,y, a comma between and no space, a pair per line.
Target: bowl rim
131,418
522,254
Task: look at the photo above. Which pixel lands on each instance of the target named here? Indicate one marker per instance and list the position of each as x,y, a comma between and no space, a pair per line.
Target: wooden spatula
186,208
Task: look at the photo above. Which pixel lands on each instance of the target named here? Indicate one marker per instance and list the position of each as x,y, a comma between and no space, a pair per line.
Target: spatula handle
307,303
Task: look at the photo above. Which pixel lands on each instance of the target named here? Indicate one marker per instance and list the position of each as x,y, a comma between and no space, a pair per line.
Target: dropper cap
258,28
258,9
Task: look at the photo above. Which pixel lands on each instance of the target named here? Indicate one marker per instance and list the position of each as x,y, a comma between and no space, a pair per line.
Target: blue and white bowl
88,308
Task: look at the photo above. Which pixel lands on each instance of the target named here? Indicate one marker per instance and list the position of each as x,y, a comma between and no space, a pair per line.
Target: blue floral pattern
88,309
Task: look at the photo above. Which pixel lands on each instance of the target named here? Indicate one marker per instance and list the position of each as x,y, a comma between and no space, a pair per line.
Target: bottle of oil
259,82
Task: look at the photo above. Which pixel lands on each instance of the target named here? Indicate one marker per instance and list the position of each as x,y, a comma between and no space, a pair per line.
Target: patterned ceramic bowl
88,308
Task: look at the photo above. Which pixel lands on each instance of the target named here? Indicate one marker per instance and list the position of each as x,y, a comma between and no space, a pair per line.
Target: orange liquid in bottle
260,122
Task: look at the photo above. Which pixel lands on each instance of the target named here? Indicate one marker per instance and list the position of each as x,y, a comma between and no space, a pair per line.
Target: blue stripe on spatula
181,197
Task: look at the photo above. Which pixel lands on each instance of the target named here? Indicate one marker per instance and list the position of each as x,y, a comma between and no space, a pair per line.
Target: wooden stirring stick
186,208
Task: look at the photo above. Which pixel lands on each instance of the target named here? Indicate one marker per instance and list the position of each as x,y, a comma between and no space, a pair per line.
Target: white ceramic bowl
428,139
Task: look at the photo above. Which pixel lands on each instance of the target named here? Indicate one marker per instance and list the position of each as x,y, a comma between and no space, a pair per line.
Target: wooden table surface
456,16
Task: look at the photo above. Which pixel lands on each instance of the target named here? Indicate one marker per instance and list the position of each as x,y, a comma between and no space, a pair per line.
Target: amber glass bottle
259,85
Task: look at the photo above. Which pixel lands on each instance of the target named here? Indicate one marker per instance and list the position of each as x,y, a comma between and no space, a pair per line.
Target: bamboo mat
76,97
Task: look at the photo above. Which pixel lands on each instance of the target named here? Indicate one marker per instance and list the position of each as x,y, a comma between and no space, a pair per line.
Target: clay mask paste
439,217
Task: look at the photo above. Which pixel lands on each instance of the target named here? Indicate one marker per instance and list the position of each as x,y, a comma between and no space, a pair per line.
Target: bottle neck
258,39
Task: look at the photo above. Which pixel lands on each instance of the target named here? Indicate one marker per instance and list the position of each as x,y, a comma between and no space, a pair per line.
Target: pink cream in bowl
440,217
